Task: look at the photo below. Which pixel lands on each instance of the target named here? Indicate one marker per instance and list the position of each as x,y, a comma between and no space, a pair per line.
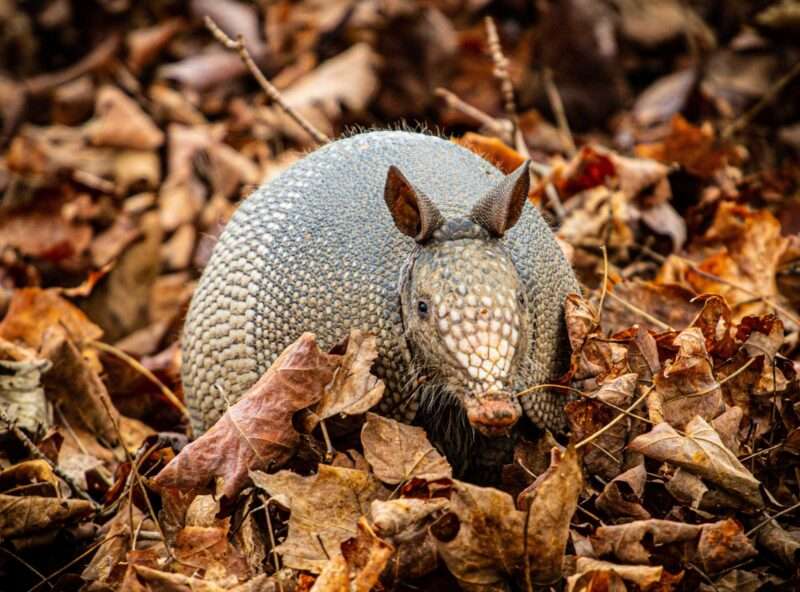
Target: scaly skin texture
316,249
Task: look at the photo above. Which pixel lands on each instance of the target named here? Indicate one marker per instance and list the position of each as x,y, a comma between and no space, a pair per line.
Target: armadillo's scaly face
463,303
467,321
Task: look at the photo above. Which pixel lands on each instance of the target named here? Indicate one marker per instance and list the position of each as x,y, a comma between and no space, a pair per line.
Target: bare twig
136,365
604,291
239,46
28,565
506,86
558,110
657,322
772,92
496,127
614,421
34,451
769,519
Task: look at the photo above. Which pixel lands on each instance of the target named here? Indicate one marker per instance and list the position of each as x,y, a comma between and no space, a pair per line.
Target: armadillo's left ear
413,212
501,207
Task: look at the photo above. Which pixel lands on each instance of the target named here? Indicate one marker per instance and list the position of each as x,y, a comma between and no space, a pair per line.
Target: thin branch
558,110
136,365
506,86
604,291
496,127
657,322
273,93
772,92
614,421
769,519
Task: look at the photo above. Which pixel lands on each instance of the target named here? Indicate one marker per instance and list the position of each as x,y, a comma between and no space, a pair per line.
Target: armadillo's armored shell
316,250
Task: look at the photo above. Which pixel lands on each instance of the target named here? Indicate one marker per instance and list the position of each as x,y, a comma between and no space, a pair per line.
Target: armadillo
409,236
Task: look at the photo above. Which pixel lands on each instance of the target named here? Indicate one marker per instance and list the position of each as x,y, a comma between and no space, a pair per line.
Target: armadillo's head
464,306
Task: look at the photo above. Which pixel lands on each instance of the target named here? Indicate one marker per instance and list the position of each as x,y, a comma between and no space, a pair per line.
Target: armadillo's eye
521,299
422,309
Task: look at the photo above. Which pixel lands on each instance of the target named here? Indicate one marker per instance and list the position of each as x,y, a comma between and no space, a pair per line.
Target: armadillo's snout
494,413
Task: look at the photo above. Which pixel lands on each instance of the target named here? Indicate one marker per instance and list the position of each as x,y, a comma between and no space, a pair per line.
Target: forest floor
665,140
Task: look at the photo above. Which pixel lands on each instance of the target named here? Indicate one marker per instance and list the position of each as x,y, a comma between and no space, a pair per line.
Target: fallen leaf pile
665,140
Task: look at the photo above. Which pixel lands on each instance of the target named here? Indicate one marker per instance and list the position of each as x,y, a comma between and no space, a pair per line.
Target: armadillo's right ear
413,212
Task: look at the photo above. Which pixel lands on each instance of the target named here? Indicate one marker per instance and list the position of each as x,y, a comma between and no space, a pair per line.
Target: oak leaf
397,452
257,431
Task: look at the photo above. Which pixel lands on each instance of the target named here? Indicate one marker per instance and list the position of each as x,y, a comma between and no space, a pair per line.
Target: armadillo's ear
413,212
501,207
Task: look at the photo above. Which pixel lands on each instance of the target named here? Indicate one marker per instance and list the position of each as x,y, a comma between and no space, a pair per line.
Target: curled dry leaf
397,452
353,390
743,247
77,386
552,500
645,577
348,80
687,386
21,391
257,431
489,545
696,149
715,545
622,496
367,555
593,356
121,123
404,523
23,515
604,454
702,452
33,310
325,509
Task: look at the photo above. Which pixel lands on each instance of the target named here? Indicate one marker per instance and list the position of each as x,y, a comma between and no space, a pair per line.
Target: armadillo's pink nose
493,414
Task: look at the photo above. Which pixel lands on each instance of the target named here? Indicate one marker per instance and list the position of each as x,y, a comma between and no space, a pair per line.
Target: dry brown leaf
753,246
148,578
622,496
77,387
325,509
489,545
552,500
702,452
404,522
121,123
21,391
348,80
353,390
687,386
33,310
493,150
668,303
45,233
20,516
397,451
366,555
257,431
695,148
604,454
115,545
715,545
645,577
